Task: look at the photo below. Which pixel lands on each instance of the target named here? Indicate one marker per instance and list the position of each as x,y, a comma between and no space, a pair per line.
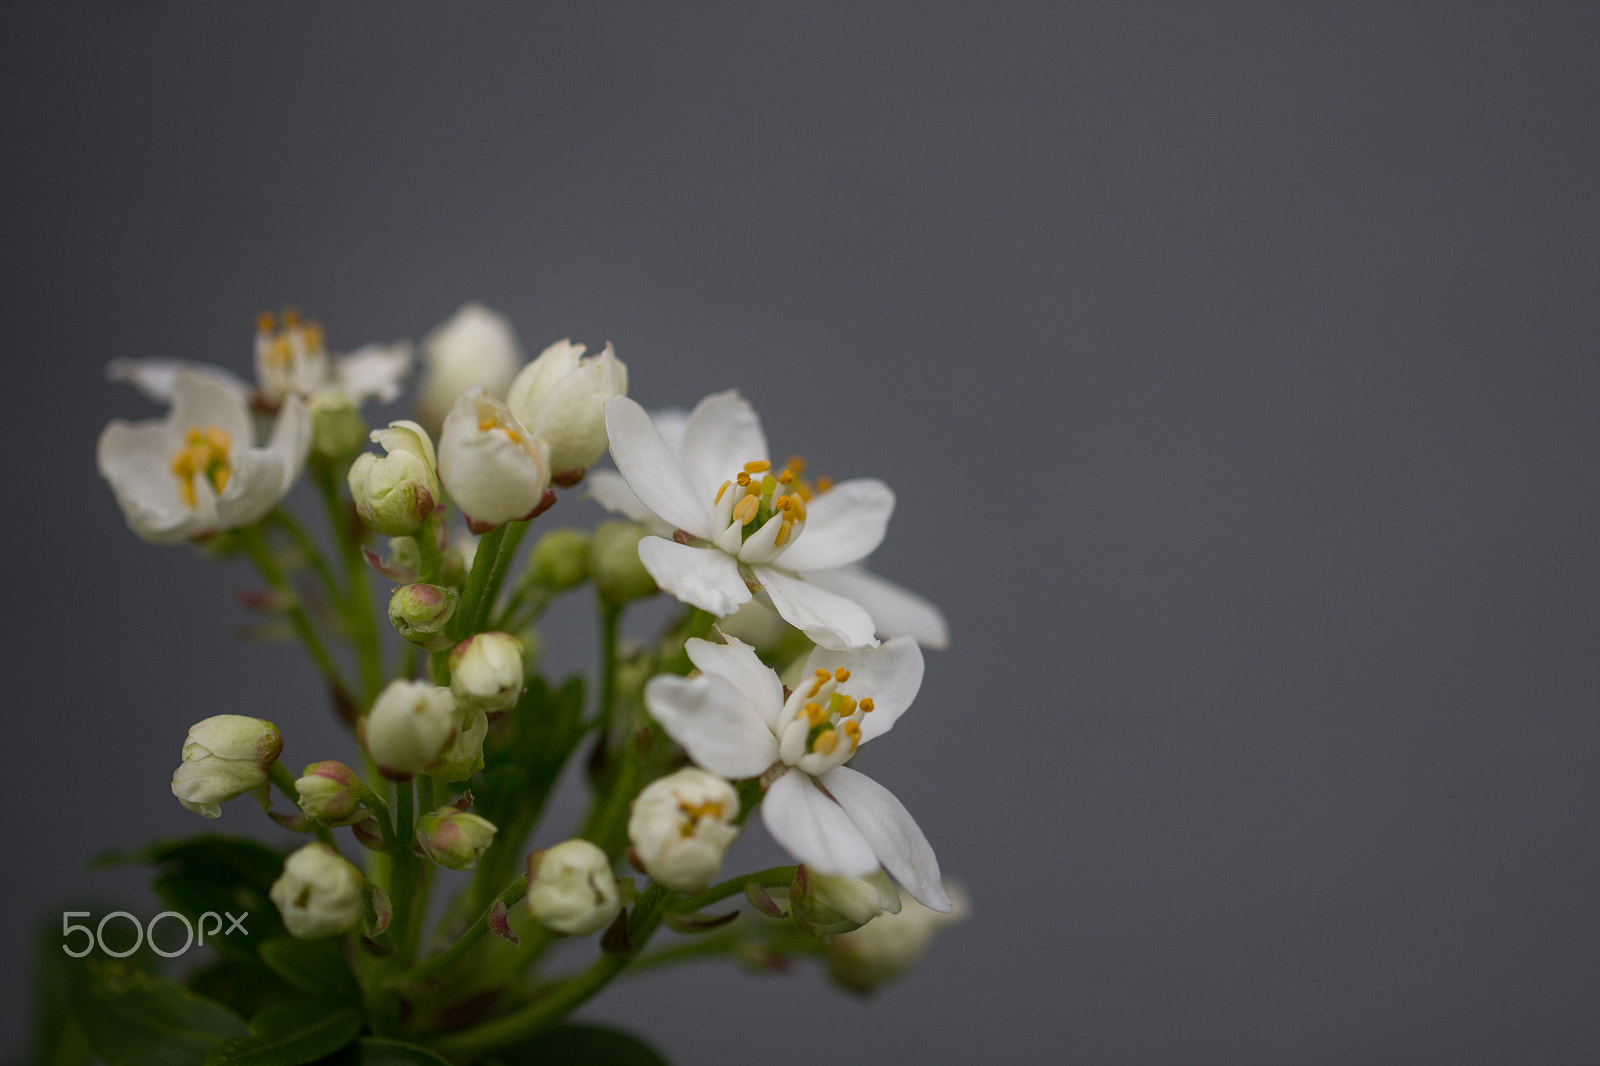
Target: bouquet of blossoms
361,944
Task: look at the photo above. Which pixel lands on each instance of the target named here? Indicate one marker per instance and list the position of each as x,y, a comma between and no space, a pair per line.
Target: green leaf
223,875
131,1014
376,1051
318,967
290,1034
582,1045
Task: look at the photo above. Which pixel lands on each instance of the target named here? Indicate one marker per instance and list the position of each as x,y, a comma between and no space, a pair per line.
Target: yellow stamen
796,463
866,705
815,714
746,510
742,478
786,478
805,493
824,484
783,534
852,729
825,742
313,335
265,322
291,317
204,453
841,675
757,466
720,491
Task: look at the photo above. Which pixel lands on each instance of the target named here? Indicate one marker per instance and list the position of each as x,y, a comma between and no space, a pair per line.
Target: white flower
395,494
708,476
486,671
733,720
681,825
493,468
197,471
571,889
410,727
224,756
318,894
890,944
561,397
475,346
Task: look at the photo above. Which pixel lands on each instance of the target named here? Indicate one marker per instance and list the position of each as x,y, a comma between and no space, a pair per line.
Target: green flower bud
453,838
486,672
614,562
395,494
329,794
559,561
421,611
337,429
825,904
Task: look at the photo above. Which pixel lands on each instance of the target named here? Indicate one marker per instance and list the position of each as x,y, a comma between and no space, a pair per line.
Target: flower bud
464,756
486,671
824,904
420,612
318,894
889,945
614,561
224,756
681,825
330,794
495,469
410,727
561,397
559,560
454,838
337,428
571,889
475,346
395,494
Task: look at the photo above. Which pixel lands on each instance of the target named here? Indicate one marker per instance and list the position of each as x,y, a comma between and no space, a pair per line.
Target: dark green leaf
584,1045
375,1051
315,966
126,1014
290,1034
246,985
56,1038
222,875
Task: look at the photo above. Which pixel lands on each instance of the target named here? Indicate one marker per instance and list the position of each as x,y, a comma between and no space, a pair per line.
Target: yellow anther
486,424
708,809
815,714
824,484
490,422
783,534
852,729
825,743
782,503
866,705
845,705
204,453
841,675
742,478
804,492
313,335
796,463
746,510
822,675
265,322
786,478
218,439
756,466
291,317
720,491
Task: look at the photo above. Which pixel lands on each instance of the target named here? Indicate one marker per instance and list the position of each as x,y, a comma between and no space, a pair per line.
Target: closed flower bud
889,945
680,827
396,493
559,560
337,428
420,612
824,904
454,838
614,562
562,396
464,756
330,794
318,894
475,346
486,671
223,757
410,727
571,889
495,469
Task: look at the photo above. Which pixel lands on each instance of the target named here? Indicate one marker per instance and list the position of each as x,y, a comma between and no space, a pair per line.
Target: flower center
487,421
820,727
693,812
297,340
204,454
757,513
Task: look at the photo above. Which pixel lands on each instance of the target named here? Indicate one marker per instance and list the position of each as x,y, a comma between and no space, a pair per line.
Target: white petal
890,674
722,434
895,610
843,525
375,370
135,459
255,485
703,577
651,468
814,829
828,619
156,378
714,722
609,490
670,423
737,663
200,402
894,836
291,441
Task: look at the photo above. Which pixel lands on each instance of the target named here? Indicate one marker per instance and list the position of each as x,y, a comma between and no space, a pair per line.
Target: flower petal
893,835
291,441
737,663
896,611
199,401
890,674
156,378
722,434
843,525
714,722
375,370
814,829
256,484
828,619
611,491
651,468
704,577
134,459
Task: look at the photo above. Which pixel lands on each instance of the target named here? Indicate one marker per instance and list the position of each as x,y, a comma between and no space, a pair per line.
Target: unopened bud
889,945
396,493
411,725
420,612
318,894
486,671
454,838
475,346
330,794
614,562
337,428
824,904
464,756
224,756
559,560
680,827
571,889
562,396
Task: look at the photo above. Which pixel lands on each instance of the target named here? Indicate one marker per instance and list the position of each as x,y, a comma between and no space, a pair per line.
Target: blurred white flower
890,944
561,396
571,889
474,346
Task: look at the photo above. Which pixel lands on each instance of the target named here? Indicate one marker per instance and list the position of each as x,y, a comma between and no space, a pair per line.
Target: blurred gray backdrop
1235,366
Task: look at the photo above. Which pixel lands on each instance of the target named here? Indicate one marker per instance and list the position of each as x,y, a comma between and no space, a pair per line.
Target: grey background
1235,366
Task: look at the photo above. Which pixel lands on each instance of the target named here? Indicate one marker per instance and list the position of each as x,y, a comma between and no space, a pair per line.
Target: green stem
287,522
474,933
772,877
427,541
427,801
514,532
255,546
520,1025
483,563
358,601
